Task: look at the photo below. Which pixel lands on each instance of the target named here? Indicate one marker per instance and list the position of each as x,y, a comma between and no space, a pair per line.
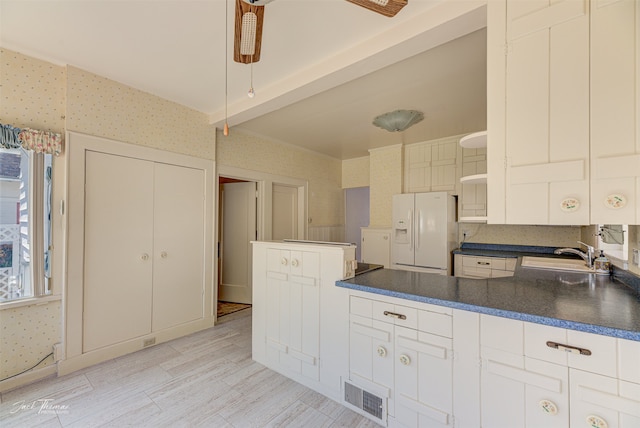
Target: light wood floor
206,379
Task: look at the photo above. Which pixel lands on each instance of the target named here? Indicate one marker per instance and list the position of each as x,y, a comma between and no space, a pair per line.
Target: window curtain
9,137
30,139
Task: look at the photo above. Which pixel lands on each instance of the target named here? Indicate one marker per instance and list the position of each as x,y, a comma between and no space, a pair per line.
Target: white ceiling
327,66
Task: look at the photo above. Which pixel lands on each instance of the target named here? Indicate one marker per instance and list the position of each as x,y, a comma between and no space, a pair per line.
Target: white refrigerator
424,232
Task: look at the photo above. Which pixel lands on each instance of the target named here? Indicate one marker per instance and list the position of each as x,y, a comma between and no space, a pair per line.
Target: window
25,224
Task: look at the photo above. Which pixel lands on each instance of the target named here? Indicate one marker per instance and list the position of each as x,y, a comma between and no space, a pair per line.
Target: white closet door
178,275
118,257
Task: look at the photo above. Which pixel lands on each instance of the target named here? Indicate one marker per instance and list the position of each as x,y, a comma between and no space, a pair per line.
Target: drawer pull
567,348
484,263
394,315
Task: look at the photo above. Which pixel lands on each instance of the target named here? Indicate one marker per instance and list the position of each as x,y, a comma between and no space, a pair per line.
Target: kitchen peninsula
583,302
541,348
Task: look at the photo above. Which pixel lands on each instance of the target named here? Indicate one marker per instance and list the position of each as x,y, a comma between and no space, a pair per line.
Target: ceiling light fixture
399,120
384,7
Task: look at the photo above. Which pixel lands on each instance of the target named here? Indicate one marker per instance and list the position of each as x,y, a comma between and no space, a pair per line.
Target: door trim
265,183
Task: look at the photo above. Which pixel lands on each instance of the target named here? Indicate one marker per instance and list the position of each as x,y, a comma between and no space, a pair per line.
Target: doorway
356,209
237,227
263,187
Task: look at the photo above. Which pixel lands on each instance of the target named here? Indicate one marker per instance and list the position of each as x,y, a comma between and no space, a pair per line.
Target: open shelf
474,179
476,140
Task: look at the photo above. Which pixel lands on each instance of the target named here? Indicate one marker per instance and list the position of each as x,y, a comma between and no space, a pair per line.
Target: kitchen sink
554,263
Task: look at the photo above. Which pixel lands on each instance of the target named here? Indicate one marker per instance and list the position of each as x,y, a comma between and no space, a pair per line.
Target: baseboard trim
28,377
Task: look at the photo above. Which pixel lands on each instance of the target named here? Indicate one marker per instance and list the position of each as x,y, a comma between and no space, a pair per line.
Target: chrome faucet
587,256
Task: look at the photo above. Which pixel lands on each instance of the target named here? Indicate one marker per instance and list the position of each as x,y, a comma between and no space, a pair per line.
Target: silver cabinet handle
568,348
294,262
163,254
404,359
144,257
284,261
394,315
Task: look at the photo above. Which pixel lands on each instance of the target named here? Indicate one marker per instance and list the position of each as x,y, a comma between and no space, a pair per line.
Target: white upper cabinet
547,113
615,111
432,166
563,112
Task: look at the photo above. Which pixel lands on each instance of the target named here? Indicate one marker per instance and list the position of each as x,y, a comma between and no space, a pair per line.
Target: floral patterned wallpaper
102,107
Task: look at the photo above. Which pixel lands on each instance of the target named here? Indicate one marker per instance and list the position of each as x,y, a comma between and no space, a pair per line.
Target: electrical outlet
636,257
148,342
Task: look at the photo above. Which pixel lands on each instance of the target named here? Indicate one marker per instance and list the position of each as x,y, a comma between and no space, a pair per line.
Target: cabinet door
547,112
293,312
517,391
596,399
371,355
431,166
118,252
424,378
615,111
178,261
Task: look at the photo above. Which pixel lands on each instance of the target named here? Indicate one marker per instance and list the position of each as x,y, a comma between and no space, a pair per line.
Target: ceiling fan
385,7
248,30
249,18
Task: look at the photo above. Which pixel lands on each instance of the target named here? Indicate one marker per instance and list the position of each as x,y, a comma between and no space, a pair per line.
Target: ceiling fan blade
385,7
248,32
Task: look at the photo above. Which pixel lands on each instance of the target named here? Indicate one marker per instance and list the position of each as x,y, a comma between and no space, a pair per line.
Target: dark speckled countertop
579,301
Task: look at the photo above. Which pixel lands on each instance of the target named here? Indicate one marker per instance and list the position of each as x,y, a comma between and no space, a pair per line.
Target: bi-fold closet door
143,247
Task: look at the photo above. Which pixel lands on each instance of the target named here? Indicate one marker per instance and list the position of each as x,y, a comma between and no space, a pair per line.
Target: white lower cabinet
293,311
299,316
401,352
371,357
423,379
540,376
429,366
601,401
518,391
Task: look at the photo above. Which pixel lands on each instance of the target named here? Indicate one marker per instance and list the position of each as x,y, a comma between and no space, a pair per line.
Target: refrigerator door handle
410,231
417,229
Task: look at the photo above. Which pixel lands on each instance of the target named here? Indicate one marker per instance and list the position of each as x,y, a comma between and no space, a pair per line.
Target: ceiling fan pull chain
251,92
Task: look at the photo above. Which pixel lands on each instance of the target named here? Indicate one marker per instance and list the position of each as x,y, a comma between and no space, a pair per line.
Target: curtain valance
30,139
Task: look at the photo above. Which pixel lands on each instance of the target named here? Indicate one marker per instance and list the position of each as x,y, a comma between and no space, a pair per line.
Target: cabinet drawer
395,314
435,323
484,262
602,349
629,360
503,334
438,322
603,358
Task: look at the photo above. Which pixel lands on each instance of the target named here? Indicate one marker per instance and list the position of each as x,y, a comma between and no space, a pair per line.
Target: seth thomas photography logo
42,406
